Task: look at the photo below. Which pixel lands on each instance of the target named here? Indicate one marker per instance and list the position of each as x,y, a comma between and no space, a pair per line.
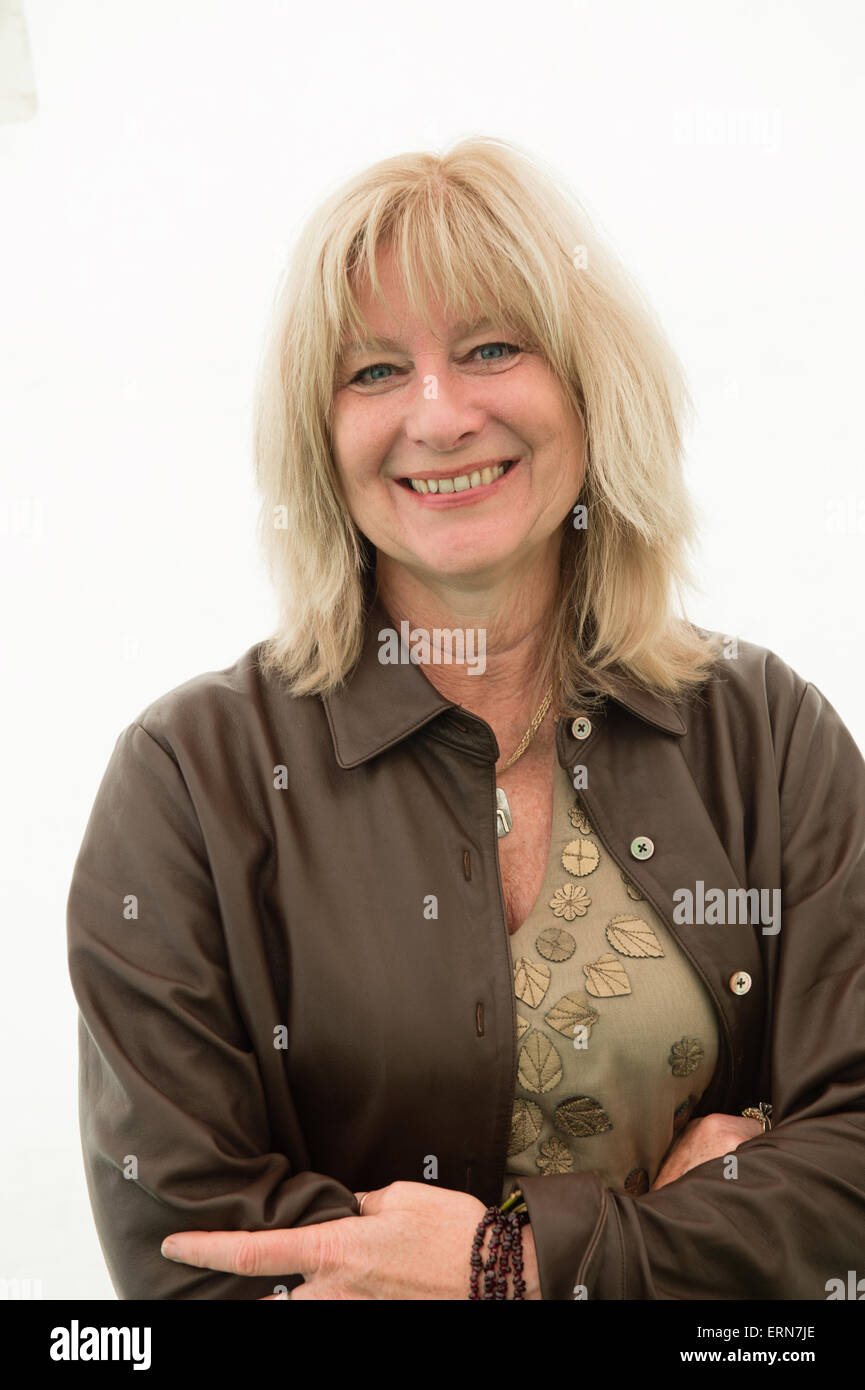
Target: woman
487,872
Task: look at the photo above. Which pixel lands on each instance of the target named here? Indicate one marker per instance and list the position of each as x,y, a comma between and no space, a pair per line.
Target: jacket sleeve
174,1126
794,1217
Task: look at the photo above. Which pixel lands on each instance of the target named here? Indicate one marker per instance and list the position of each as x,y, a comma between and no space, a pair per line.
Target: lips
458,496
471,478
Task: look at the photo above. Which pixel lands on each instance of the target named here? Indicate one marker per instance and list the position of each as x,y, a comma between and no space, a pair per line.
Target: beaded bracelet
506,1243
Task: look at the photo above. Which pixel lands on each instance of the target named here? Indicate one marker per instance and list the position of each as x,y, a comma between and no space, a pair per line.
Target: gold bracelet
761,1112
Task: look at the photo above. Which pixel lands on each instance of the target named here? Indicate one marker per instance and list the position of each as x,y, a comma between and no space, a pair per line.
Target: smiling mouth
463,482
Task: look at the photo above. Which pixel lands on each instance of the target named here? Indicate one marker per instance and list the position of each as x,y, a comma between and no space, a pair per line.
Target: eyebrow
463,329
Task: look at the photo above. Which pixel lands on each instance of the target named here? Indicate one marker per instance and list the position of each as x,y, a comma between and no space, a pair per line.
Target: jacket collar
379,705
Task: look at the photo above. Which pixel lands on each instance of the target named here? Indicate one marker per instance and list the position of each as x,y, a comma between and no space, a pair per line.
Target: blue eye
511,348
377,366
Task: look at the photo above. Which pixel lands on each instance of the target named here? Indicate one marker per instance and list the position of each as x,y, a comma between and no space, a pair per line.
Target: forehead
393,313
400,336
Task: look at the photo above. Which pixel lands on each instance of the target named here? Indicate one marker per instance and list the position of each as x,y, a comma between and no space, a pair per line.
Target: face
483,428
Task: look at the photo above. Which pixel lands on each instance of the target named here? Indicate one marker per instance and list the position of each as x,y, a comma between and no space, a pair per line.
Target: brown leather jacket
269,1021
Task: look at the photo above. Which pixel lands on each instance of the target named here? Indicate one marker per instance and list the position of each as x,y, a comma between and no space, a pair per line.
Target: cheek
536,414
359,448
363,486
345,431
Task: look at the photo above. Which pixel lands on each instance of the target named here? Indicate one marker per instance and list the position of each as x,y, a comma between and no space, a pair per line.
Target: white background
146,208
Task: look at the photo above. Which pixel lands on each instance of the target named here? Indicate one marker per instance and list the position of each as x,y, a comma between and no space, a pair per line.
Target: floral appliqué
685,1056
570,901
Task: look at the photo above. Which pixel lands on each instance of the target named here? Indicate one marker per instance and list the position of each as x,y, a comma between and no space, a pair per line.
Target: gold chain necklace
504,818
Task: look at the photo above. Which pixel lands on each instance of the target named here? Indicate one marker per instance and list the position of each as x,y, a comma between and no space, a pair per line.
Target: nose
440,411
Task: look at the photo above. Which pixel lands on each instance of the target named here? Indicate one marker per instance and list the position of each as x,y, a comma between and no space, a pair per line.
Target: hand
710,1136
412,1242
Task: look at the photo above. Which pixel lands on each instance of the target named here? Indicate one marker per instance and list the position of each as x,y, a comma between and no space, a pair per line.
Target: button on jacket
288,944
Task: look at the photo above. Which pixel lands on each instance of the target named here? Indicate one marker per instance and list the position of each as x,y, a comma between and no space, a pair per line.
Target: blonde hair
488,230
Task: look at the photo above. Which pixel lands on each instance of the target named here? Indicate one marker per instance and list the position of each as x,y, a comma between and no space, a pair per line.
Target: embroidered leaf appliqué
531,981
580,857
554,943
632,889
540,1066
571,1011
633,937
582,1116
526,1124
606,977
637,1182
683,1115
523,1026
554,1156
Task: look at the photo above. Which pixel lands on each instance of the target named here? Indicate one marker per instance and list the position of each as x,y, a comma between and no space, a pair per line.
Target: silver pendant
504,819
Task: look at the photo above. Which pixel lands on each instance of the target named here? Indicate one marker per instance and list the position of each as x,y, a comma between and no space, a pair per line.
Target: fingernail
169,1248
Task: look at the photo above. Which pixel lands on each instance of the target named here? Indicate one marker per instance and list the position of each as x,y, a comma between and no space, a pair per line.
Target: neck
506,622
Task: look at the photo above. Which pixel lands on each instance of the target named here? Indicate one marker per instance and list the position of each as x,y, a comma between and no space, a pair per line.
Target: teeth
460,484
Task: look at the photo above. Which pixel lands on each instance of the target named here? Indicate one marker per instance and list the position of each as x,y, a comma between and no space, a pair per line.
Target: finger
251,1253
675,1167
372,1201
755,1126
666,1175
406,1196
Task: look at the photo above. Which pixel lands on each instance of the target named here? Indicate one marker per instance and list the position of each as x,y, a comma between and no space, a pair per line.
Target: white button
581,727
642,847
740,983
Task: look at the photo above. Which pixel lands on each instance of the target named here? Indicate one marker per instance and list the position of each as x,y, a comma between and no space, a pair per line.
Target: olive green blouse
616,1033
